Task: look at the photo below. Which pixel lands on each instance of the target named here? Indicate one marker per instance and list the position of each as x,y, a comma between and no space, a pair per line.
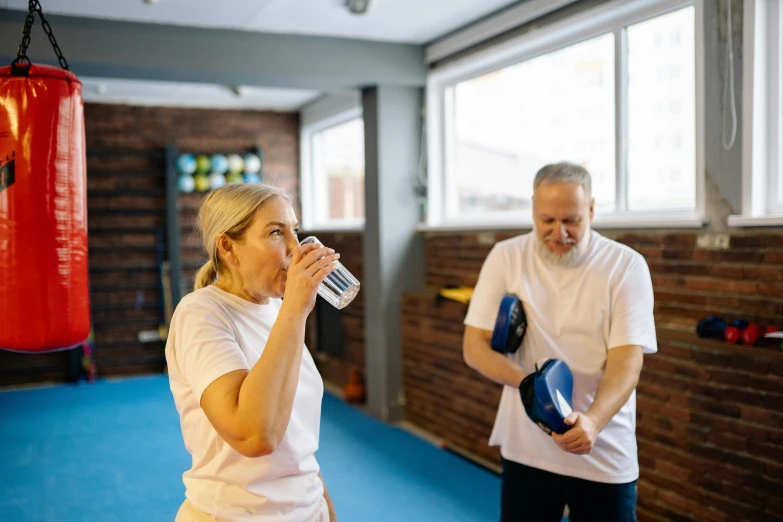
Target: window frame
612,17
311,185
762,107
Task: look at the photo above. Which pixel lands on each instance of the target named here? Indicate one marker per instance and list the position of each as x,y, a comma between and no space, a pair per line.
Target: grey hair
228,210
564,172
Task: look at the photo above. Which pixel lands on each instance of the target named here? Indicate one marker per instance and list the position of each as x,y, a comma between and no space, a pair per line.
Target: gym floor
112,451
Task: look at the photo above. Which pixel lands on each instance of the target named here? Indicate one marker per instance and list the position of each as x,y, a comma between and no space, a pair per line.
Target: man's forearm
480,356
619,381
498,368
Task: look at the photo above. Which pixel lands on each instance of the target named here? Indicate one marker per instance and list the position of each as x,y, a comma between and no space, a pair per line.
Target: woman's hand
310,264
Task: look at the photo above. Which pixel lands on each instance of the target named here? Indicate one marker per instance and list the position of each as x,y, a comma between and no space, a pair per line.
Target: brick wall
126,202
710,431
710,426
203,130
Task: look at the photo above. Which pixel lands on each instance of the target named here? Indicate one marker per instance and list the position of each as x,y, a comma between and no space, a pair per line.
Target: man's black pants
533,495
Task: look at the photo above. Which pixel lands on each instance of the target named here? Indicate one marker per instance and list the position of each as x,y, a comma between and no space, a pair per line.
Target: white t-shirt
575,314
212,333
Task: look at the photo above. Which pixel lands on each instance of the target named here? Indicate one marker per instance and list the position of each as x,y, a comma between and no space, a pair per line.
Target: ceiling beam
128,50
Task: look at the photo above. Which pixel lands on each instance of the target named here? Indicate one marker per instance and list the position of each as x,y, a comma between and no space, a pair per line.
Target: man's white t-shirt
575,314
212,333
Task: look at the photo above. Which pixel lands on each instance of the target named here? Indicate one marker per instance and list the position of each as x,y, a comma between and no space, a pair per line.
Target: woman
245,386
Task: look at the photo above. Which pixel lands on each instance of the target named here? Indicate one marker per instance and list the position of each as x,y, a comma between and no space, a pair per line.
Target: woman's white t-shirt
212,333
576,314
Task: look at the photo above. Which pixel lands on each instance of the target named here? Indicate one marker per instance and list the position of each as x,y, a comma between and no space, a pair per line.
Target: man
589,302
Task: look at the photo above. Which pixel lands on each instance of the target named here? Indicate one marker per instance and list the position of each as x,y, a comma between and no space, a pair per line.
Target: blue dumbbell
712,326
740,323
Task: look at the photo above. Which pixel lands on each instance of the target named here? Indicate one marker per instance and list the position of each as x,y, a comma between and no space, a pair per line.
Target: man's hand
623,366
581,438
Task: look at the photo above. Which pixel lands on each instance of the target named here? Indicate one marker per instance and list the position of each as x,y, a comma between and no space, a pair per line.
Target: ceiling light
150,2
358,6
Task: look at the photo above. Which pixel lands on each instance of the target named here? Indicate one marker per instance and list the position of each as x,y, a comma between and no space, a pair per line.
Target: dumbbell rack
737,331
185,252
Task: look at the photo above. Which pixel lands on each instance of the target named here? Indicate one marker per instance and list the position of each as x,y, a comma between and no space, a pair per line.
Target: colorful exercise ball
250,177
185,183
203,164
252,163
219,163
216,180
202,182
234,177
235,163
186,164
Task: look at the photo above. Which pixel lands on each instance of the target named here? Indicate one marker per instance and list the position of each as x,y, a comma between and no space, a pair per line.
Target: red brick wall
203,130
710,431
126,202
710,426
745,280
442,394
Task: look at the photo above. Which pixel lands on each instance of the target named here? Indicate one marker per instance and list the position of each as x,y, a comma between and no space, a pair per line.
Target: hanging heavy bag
44,292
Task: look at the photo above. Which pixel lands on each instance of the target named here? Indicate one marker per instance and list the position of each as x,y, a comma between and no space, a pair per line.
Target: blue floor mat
113,451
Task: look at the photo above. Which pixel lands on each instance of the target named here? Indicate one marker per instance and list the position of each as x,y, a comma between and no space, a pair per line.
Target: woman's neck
241,292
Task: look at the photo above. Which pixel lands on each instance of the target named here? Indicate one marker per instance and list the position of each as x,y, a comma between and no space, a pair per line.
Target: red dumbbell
751,334
732,334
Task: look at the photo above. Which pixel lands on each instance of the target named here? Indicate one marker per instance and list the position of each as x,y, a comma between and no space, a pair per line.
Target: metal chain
21,55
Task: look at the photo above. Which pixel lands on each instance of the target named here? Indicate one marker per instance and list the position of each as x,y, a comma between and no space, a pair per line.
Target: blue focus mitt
510,325
546,395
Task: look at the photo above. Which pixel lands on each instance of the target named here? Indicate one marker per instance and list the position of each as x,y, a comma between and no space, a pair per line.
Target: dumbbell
751,334
772,337
733,332
712,326
741,330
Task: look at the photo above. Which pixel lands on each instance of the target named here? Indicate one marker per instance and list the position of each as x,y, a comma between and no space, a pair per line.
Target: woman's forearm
267,394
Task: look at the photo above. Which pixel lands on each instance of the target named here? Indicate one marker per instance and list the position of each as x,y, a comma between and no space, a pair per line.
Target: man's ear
225,247
592,209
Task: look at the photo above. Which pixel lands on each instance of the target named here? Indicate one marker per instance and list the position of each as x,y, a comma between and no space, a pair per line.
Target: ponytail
206,275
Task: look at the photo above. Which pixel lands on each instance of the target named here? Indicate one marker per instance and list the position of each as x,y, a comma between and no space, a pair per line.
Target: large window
613,89
333,173
762,138
510,122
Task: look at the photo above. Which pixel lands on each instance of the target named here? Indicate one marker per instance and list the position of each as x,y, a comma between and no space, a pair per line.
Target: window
613,89
333,172
338,166
762,138
506,126
645,190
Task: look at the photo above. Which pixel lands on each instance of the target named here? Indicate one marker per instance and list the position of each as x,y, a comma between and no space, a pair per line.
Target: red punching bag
44,291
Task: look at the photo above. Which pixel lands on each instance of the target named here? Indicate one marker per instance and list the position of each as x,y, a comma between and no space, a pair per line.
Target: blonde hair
228,210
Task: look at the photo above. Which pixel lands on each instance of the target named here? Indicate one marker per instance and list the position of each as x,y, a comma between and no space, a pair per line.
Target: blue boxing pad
510,325
546,395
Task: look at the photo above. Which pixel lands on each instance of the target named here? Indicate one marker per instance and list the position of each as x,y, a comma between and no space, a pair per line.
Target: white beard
567,259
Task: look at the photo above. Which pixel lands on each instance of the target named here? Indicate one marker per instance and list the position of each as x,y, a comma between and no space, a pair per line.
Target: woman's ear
225,247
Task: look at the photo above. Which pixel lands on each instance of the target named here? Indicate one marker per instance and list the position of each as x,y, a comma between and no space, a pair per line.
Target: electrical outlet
713,241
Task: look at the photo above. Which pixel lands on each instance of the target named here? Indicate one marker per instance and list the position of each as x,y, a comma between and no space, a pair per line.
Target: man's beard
567,259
